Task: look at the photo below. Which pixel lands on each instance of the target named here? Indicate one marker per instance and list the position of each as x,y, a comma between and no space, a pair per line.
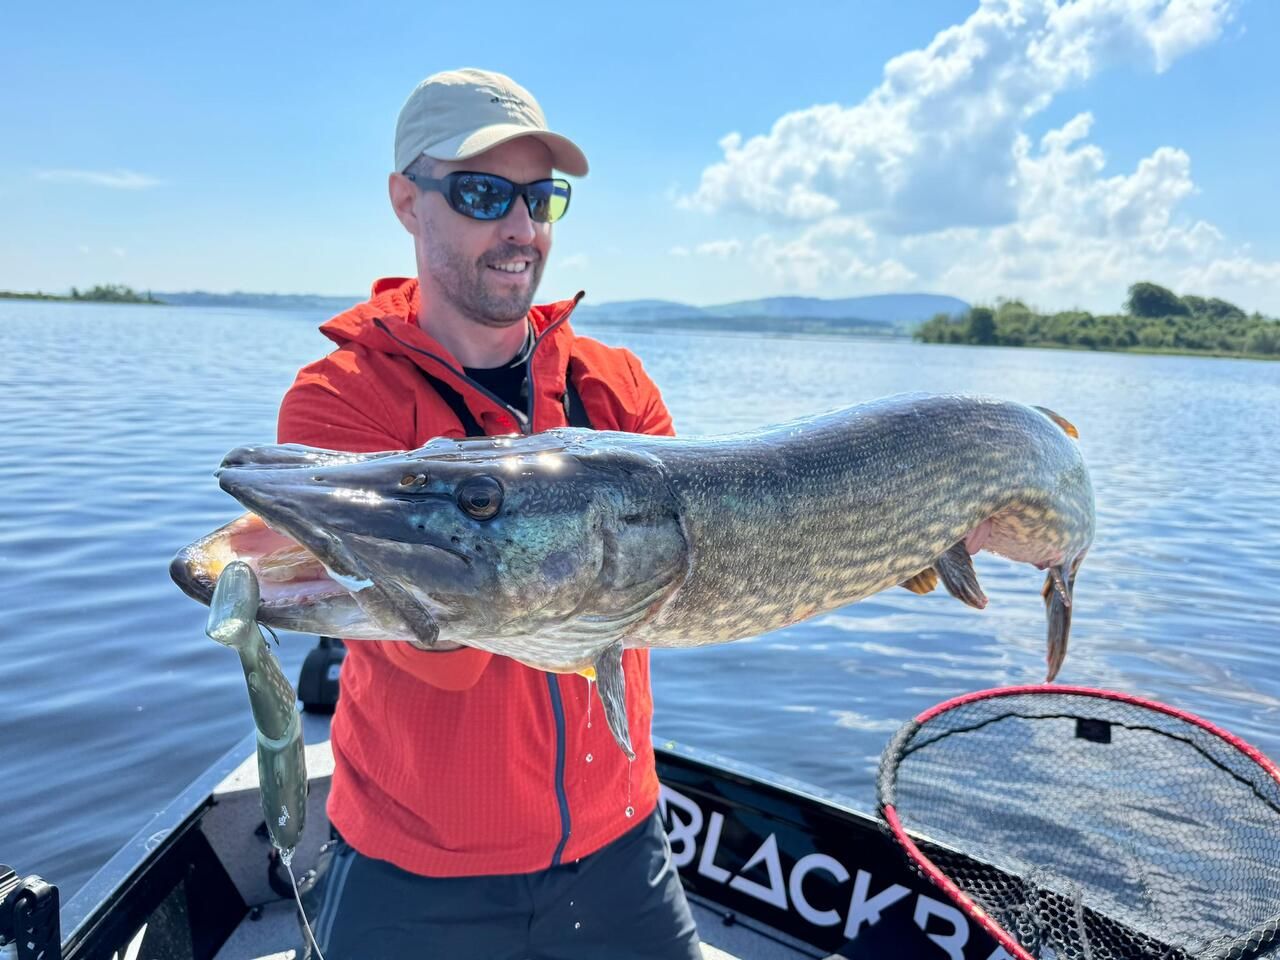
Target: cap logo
511,100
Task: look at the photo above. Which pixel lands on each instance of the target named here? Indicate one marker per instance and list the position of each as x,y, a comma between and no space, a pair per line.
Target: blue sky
1051,151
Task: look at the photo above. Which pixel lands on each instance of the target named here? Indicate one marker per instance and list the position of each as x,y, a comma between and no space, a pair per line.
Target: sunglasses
486,196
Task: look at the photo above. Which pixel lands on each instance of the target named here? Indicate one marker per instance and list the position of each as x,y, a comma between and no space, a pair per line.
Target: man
482,812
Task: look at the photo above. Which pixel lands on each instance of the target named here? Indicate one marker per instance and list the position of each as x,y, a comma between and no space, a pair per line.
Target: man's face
464,259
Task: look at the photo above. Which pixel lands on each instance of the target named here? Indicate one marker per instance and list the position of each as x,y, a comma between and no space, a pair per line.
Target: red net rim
1248,749
945,883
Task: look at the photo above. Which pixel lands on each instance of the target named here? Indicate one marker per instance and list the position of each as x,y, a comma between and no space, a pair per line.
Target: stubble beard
465,284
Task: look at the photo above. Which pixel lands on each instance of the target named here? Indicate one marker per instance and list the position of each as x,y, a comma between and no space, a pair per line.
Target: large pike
562,548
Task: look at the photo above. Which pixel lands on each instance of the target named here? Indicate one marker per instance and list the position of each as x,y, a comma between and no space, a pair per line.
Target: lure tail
282,768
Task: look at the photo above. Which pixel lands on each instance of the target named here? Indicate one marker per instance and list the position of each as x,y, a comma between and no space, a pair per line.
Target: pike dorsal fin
1067,426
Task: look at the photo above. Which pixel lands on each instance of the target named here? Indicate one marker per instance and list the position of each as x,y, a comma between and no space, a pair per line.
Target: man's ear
404,197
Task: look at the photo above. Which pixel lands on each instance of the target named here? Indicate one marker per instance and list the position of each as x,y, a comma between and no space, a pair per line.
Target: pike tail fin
1059,586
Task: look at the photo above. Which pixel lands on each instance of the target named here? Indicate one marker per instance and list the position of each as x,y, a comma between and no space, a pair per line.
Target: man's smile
511,266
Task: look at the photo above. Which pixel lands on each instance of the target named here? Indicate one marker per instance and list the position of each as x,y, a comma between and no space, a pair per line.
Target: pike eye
480,498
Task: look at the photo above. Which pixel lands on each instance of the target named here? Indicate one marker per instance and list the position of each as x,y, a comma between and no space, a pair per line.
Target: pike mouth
309,578
298,591
289,575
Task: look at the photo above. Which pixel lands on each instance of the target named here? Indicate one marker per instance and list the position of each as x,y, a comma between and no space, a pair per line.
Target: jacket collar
388,323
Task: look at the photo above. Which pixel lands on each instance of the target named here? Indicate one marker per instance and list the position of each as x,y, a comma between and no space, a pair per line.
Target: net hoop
926,866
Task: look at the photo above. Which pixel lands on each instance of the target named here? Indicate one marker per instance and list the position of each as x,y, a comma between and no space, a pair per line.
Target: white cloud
720,249
932,146
114,179
717,249
1081,238
834,254
574,261
932,179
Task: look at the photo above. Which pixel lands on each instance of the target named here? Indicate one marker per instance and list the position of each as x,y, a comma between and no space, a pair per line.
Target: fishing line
287,860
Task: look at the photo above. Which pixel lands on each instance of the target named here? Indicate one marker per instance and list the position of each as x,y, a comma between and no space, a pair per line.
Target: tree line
1155,319
113,293
102,293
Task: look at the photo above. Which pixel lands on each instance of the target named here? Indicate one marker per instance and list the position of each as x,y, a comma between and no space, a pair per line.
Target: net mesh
1094,828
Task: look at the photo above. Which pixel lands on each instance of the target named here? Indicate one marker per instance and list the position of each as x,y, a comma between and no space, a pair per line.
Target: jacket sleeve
318,412
652,415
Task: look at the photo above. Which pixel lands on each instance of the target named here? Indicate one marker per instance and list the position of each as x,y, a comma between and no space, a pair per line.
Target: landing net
1077,823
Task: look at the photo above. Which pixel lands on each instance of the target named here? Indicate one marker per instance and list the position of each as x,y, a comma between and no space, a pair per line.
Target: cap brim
565,154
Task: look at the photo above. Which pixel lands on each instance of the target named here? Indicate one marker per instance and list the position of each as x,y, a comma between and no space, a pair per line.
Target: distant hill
884,313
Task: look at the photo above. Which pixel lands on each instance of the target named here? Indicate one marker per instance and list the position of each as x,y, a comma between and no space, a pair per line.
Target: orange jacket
463,763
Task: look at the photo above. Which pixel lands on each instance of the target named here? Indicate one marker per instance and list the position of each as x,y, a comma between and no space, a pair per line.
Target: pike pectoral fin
955,567
613,694
398,602
922,582
1058,588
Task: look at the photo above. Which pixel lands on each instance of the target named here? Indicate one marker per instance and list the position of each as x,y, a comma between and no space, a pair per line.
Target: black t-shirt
510,382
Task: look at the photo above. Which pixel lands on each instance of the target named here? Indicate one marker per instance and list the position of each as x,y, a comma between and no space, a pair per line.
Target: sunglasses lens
548,200
481,196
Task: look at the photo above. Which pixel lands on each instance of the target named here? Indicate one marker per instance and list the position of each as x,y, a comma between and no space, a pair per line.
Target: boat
774,869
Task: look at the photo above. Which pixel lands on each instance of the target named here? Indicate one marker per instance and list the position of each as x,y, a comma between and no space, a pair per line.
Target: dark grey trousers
624,901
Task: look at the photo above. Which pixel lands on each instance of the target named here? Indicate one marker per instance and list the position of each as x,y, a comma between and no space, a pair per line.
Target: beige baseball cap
457,114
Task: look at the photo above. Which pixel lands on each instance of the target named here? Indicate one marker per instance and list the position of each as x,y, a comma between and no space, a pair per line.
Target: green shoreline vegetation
102,293
1156,320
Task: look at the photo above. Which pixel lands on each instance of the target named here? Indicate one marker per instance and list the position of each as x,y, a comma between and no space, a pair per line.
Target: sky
1054,152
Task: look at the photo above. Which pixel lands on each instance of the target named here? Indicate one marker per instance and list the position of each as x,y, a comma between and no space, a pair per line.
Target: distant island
1156,320
894,314
890,314
103,293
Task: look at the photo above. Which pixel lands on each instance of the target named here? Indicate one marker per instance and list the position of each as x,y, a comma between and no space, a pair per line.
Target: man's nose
517,225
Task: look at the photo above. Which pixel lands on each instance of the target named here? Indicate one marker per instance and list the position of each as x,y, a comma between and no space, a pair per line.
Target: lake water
112,699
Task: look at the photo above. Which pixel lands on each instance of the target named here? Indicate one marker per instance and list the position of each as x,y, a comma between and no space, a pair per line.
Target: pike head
547,548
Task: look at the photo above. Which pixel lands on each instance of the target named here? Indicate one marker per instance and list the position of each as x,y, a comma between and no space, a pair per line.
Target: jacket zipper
562,797
553,685
526,423
533,392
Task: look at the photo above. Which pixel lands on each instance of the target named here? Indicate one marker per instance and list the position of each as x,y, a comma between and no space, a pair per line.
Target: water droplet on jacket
590,758
631,811
577,924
